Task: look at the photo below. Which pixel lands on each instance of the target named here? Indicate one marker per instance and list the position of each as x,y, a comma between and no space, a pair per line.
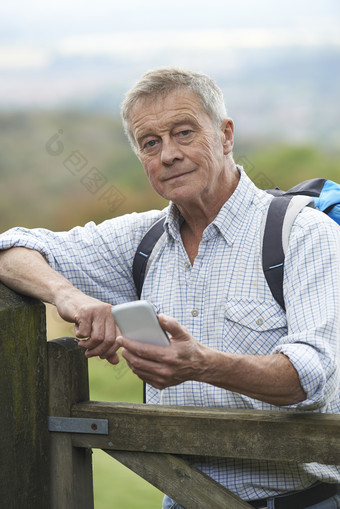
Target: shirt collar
233,213
229,218
173,221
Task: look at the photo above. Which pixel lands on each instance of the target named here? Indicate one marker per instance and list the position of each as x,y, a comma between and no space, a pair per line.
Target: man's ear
227,129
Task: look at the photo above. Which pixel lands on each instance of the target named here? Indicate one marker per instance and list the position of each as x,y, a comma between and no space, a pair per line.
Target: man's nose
170,151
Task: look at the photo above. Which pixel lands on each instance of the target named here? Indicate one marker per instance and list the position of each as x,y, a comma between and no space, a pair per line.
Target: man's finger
113,358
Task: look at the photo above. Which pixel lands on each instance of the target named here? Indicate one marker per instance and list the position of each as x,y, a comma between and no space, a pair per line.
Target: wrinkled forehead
158,100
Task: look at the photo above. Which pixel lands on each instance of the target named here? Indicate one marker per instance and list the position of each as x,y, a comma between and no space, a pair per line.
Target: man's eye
150,144
186,132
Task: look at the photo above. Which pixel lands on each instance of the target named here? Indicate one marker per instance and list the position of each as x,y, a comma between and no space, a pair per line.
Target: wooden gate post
71,467
24,472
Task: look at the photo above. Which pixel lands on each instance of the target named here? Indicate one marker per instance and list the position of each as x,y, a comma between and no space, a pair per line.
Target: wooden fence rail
282,436
46,384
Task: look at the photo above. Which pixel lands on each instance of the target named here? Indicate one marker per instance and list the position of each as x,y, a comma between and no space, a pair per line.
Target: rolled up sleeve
97,259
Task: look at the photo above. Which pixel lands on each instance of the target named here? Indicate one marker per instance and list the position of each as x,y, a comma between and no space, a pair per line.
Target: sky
83,53
33,33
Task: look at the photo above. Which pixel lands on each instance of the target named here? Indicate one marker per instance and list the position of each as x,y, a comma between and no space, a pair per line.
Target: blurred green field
116,487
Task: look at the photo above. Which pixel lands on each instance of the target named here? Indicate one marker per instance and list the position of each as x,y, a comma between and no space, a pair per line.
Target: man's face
182,152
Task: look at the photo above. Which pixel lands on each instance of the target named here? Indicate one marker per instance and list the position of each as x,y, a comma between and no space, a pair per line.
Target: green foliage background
38,189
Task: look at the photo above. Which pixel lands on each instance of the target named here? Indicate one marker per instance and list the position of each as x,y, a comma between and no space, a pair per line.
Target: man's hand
163,366
93,320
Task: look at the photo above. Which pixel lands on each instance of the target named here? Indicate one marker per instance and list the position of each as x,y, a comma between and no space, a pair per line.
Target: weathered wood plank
24,475
180,481
71,467
280,436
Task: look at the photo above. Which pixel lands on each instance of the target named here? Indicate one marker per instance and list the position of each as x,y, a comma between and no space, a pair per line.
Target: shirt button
194,312
259,321
186,265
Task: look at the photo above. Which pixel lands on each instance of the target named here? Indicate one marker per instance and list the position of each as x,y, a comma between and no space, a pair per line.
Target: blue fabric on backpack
329,197
335,214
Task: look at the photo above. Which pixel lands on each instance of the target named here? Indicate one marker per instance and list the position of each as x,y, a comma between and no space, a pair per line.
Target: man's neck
197,216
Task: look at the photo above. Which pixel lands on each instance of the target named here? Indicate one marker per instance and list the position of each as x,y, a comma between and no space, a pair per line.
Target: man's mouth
178,175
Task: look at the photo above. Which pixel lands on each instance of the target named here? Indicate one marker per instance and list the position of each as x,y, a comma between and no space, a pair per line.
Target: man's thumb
172,326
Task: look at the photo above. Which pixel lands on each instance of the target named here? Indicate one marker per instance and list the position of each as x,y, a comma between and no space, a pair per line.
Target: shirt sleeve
312,297
97,259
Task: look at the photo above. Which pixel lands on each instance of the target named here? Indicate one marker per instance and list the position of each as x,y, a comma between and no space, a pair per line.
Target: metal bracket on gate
78,425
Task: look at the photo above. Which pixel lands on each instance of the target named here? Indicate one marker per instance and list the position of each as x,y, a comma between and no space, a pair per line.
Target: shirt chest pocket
252,326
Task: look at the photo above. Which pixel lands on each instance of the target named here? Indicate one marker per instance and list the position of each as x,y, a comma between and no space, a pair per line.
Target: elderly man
231,343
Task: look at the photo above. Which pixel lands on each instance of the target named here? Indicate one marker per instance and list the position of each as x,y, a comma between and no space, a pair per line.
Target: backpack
318,193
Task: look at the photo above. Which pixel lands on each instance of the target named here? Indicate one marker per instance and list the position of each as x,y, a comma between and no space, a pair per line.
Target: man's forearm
26,271
269,378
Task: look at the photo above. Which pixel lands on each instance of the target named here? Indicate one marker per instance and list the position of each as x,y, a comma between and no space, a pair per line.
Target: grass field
115,486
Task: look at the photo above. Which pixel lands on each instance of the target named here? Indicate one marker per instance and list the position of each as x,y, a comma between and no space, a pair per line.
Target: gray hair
164,80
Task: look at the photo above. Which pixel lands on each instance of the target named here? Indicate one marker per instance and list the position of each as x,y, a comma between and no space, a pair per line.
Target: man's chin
182,195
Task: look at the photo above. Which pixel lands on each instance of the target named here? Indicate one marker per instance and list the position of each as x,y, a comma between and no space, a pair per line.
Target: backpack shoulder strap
272,248
281,215
143,253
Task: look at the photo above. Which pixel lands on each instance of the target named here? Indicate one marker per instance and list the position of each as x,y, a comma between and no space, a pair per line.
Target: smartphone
138,320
